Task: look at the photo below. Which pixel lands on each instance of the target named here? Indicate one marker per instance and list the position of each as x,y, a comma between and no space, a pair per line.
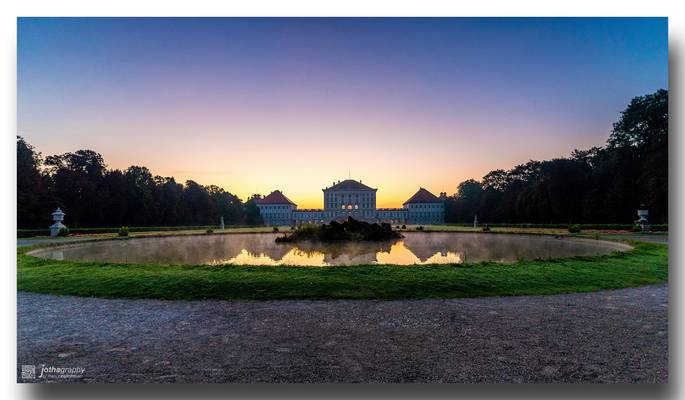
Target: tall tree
601,184
252,214
226,205
33,205
198,206
76,178
141,187
642,131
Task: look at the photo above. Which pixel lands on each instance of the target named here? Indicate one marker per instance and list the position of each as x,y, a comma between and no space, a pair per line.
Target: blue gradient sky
256,104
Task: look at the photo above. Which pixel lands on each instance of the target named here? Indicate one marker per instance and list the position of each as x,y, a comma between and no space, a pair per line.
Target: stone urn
58,217
642,215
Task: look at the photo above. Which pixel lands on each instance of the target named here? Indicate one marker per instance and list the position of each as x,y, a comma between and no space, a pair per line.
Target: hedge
23,233
625,227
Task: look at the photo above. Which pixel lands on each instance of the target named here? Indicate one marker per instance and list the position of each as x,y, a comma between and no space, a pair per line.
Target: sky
257,104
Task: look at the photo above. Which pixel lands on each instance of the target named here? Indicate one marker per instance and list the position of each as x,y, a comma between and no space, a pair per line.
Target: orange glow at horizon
247,157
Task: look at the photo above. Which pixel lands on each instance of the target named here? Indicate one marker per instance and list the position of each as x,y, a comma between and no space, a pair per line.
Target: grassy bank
646,264
560,228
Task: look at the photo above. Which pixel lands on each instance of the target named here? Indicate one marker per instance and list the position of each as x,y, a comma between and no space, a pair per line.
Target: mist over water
261,249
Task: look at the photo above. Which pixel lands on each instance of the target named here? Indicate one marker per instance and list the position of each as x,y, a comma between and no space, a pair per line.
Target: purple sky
256,104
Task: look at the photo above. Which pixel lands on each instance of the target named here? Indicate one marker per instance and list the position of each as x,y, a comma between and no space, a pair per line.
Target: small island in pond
350,230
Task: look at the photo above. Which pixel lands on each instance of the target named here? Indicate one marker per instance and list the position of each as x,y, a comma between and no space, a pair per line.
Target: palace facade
350,198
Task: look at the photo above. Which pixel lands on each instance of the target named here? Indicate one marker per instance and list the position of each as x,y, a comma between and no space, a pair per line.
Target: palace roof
276,197
423,196
349,184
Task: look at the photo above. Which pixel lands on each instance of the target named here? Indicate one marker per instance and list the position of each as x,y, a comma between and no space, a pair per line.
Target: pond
261,249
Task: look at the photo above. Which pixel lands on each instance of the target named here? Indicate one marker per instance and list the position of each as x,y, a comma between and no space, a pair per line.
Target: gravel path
614,336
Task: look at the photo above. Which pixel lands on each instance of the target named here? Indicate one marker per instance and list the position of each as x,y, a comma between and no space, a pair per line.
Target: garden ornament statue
58,217
643,213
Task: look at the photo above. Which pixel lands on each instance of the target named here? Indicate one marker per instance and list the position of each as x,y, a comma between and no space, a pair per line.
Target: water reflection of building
424,250
346,253
273,251
350,198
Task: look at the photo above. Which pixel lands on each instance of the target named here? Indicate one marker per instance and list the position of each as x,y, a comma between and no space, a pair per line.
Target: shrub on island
123,231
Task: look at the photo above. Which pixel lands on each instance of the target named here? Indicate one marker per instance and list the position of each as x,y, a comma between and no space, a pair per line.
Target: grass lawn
646,264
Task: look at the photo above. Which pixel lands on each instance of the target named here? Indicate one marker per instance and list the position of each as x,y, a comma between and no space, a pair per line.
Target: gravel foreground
603,337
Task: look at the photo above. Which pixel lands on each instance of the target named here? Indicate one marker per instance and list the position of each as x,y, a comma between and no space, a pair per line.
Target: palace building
350,198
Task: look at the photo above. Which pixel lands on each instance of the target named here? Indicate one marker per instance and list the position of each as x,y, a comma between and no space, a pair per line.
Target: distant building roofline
349,184
422,196
276,197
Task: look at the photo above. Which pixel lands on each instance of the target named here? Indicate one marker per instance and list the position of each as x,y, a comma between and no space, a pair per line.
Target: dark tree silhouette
93,196
599,185
32,187
252,214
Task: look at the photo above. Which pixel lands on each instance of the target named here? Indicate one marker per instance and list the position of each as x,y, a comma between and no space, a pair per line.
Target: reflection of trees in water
499,247
473,247
217,249
178,250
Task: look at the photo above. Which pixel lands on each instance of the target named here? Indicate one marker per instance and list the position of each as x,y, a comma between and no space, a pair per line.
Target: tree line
599,185
94,196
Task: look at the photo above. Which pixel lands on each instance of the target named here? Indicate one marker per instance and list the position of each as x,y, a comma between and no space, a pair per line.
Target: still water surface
261,249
